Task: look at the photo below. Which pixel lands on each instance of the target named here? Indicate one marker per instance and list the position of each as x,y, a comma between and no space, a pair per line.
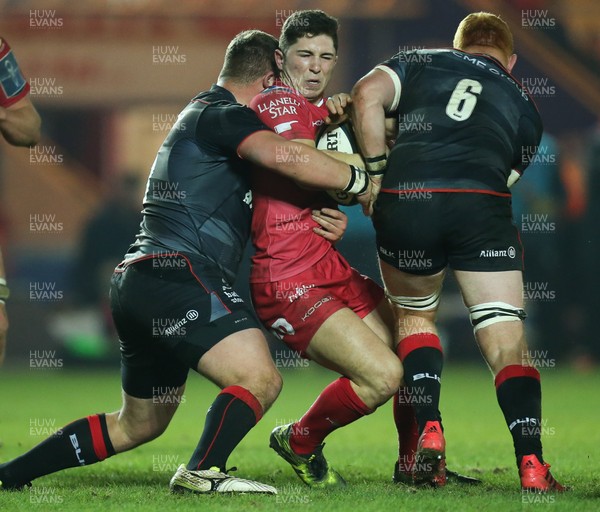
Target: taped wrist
359,181
513,177
376,165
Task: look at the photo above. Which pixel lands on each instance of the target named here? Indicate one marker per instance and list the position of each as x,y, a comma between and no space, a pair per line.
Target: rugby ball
339,138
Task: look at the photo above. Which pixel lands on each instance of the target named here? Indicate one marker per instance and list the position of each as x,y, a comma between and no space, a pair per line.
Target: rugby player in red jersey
303,290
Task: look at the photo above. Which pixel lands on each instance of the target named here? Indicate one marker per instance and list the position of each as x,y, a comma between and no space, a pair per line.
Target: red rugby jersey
282,226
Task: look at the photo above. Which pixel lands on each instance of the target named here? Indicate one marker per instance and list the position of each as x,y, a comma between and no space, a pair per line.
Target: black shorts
169,311
466,231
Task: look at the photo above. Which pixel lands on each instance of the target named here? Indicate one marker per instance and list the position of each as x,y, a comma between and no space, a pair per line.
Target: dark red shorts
293,309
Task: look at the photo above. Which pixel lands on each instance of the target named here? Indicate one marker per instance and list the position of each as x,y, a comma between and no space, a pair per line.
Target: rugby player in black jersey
172,298
467,131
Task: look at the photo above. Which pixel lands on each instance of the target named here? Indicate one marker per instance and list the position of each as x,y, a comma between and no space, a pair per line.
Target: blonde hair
484,29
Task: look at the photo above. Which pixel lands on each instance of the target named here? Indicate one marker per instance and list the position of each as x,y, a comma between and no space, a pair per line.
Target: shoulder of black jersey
525,94
214,95
522,88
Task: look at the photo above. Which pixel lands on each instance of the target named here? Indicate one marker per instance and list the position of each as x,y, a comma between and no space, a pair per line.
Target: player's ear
279,58
512,60
268,79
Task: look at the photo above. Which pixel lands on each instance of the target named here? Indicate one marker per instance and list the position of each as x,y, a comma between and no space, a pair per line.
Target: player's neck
490,51
243,93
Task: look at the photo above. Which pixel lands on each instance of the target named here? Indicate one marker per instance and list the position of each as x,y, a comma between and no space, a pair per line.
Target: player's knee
272,385
148,432
265,385
135,431
387,382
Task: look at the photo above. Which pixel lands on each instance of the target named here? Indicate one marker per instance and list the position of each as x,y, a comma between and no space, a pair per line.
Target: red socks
336,406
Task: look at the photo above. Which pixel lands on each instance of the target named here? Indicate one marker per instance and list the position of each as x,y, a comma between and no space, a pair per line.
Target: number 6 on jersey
463,100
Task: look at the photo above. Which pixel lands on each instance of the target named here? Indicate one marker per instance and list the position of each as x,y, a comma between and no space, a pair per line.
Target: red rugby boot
430,463
536,477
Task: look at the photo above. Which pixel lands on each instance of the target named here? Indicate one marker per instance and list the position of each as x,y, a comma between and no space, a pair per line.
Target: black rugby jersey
198,199
464,123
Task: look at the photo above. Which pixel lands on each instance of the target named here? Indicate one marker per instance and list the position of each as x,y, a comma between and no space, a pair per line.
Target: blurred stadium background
110,76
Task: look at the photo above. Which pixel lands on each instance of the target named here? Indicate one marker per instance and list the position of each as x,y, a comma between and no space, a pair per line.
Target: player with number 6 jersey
466,132
475,99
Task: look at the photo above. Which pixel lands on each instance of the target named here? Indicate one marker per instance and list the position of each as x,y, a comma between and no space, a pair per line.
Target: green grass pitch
37,402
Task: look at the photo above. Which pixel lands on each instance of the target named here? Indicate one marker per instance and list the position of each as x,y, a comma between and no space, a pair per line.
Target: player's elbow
360,93
367,88
373,92
26,136
34,132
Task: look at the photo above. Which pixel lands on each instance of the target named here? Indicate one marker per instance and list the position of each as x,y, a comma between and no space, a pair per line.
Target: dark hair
309,23
249,55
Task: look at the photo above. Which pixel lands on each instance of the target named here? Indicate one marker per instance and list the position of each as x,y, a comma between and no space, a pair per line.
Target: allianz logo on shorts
502,253
171,327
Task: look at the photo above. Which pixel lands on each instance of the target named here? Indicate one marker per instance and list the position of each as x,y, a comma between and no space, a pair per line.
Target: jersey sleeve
229,126
282,111
396,68
13,86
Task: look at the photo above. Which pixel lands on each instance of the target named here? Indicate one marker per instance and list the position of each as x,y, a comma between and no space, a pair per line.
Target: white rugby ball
339,138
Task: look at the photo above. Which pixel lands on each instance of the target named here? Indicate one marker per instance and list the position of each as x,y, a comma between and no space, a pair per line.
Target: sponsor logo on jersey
284,105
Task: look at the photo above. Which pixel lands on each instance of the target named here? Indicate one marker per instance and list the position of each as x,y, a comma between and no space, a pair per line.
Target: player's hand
365,199
3,330
375,188
338,108
333,223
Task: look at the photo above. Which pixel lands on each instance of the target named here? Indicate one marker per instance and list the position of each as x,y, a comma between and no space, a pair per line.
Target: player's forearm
303,164
348,158
20,126
368,119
